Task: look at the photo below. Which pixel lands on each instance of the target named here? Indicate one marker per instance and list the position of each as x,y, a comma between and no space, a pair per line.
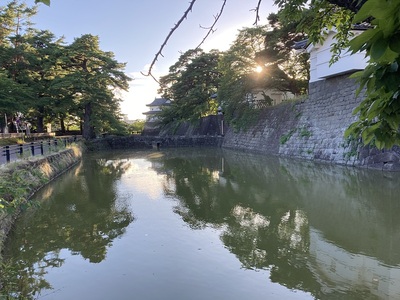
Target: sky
135,29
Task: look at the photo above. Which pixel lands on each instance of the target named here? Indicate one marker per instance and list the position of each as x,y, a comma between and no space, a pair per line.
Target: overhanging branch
211,29
257,10
159,53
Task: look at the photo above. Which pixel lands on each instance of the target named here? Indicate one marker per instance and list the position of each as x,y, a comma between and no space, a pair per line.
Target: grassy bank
19,180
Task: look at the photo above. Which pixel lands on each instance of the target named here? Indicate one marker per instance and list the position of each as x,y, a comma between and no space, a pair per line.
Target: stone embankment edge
33,175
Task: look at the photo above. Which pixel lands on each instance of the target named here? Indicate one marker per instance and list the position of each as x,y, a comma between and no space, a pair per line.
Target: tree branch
159,53
211,29
257,10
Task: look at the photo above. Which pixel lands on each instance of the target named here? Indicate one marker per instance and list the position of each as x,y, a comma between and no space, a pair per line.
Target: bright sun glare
259,69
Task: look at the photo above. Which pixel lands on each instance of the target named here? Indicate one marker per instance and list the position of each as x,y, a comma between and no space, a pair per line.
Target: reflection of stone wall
339,270
355,208
314,129
352,218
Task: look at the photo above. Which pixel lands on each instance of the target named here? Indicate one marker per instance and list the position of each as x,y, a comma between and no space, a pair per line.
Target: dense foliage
288,71
136,127
261,58
190,84
239,76
379,113
43,80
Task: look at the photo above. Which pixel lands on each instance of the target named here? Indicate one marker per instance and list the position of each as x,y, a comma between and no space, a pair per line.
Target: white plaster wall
320,56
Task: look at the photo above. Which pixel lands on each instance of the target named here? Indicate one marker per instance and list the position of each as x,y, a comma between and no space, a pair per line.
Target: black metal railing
22,151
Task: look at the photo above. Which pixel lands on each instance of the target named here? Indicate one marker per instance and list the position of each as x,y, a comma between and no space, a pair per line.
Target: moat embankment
19,180
311,129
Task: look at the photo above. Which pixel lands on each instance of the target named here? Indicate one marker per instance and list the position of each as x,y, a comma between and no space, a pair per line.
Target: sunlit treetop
47,2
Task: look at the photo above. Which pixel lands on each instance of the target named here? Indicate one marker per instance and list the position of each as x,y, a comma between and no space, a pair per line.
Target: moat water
208,224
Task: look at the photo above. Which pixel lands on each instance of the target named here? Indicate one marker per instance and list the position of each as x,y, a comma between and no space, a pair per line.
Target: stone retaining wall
314,129
210,125
143,142
310,129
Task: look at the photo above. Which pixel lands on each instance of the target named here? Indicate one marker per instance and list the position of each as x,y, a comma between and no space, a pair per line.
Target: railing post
33,148
41,147
8,153
21,149
65,142
55,143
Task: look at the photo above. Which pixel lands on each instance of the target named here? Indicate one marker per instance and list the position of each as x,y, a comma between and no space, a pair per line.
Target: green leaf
358,43
357,74
371,83
367,136
373,110
379,48
389,56
379,144
352,130
394,43
369,132
382,10
392,121
392,82
365,12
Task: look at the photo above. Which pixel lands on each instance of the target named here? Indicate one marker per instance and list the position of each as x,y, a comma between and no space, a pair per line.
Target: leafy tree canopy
47,2
198,82
379,120
239,78
379,113
47,81
271,48
190,84
92,78
286,71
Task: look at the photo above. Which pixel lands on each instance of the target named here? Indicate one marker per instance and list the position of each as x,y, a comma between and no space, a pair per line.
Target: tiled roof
159,102
301,44
362,26
152,112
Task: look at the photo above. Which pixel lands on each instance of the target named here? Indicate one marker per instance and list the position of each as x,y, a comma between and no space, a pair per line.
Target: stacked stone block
314,128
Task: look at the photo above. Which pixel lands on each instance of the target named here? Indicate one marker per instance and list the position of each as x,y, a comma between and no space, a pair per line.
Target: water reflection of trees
85,219
259,228
267,209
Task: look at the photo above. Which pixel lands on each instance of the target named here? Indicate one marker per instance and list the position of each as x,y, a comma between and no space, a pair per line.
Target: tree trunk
62,124
40,124
88,129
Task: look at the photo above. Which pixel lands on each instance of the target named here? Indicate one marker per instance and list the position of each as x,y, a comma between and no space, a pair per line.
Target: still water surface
190,224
